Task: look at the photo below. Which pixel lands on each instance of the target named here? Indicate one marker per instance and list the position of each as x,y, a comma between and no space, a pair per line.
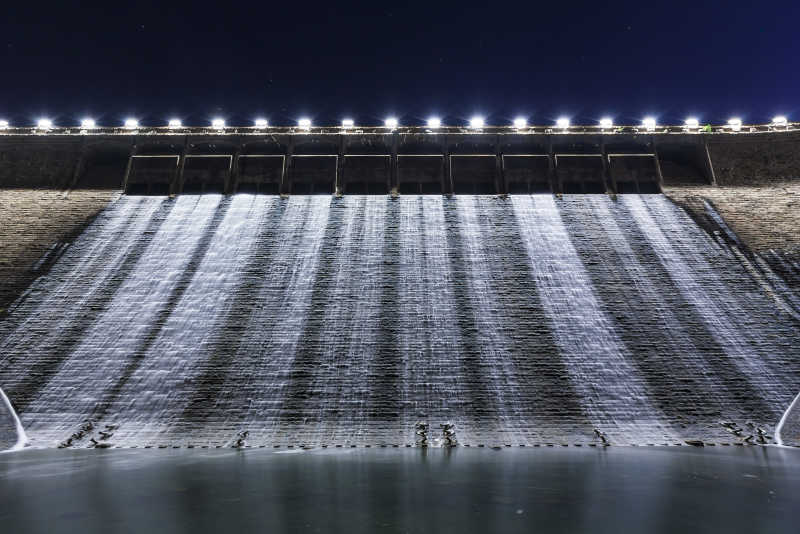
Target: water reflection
405,490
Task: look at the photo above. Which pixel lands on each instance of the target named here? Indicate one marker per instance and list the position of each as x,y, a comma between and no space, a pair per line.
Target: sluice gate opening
151,175
259,173
382,174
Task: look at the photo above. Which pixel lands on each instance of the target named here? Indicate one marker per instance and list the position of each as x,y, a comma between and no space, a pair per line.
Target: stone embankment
36,226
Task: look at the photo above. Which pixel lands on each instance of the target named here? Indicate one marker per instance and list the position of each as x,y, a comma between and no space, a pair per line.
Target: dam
324,288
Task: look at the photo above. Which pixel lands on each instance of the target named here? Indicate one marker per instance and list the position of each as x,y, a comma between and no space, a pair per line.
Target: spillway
318,320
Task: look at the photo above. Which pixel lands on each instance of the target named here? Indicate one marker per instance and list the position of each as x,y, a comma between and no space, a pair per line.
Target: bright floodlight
391,122
692,123
3,125
649,123
606,123
476,122
44,124
520,122
780,120
131,124
174,123
260,123
88,124
218,123
434,122
735,124
563,123
304,123
348,123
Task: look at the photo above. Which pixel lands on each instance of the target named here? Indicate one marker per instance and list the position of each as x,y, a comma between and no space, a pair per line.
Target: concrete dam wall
309,320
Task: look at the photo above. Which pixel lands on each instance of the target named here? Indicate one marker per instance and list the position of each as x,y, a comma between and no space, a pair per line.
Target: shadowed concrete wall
743,161
757,196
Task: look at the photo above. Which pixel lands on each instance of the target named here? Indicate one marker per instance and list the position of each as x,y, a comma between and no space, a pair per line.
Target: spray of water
22,439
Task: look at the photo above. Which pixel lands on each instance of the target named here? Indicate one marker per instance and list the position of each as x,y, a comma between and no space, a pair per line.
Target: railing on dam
376,160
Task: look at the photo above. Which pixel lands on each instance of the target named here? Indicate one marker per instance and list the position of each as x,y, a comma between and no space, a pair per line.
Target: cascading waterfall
426,317
719,305
340,321
108,349
608,383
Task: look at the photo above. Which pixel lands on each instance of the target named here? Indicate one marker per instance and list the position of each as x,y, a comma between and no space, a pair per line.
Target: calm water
402,490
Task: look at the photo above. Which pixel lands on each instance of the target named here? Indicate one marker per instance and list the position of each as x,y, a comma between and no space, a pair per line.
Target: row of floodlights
477,122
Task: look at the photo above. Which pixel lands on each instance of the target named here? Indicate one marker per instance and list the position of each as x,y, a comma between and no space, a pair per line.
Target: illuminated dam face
317,320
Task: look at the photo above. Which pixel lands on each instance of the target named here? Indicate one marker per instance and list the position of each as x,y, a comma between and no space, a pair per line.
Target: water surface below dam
733,489
320,320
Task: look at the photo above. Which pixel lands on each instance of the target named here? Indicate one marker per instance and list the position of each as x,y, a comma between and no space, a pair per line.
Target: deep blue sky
287,59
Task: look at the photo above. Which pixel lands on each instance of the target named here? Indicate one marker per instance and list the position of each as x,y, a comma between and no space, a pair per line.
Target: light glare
391,122
88,124
434,122
44,124
780,120
476,122
348,123
218,123
175,123
131,124
304,123
3,125
520,122
735,124
649,123
606,123
692,123
563,123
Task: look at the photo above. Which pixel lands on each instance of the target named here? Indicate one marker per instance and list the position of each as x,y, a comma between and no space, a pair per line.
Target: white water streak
107,346
157,391
428,334
704,294
490,322
611,389
81,278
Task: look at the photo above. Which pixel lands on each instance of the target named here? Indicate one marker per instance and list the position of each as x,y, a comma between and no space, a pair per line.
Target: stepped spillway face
315,320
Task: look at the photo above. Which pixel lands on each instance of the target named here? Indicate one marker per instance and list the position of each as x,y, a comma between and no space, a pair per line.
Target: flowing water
344,321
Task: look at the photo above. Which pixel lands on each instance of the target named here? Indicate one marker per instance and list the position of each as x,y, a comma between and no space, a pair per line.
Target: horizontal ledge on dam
399,130
492,160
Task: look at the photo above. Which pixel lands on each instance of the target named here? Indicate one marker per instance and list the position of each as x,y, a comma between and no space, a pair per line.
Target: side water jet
779,429
11,414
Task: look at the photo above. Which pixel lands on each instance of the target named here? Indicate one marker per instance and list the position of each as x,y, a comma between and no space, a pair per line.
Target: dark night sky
282,60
